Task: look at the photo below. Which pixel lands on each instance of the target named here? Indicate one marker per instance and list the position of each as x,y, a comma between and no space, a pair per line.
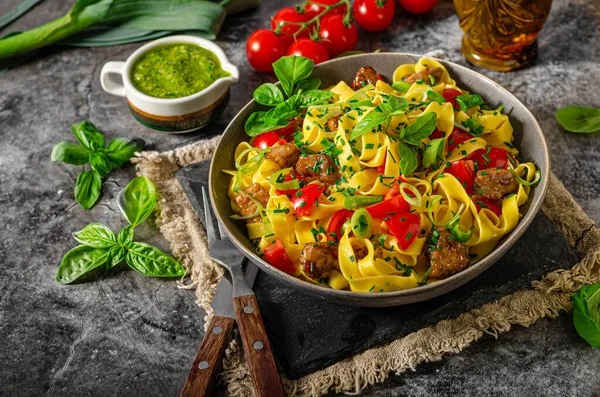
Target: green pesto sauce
176,70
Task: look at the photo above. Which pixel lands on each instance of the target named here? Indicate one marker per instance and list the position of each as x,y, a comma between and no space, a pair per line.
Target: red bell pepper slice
336,223
457,137
492,157
387,208
489,205
304,200
436,134
292,175
450,95
405,227
464,171
276,255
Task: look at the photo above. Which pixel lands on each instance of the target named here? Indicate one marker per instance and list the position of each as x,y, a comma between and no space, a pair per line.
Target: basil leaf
120,150
371,122
420,129
125,236
435,96
292,69
268,94
408,159
583,119
99,162
96,235
116,255
88,135
150,261
137,200
398,105
467,102
586,313
257,124
70,153
282,112
87,188
308,85
315,97
433,152
79,261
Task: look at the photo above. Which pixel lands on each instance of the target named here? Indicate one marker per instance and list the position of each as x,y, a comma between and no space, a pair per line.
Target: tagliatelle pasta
383,186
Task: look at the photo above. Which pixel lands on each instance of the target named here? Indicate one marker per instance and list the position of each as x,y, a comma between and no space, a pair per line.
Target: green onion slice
401,86
351,202
287,185
537,177
460,236
417,200
435,96
361,223
252,164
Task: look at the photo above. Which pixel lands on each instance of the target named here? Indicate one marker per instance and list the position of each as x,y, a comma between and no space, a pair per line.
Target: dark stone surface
129,335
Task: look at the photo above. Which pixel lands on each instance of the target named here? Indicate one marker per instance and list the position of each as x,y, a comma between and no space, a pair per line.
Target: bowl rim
467,274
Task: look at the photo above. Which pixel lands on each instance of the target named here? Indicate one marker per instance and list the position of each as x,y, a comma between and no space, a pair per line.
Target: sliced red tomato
489,205
436,134
276,255
491,157
464,171
405,227
457,137
336,223
268,139
304,200
450,95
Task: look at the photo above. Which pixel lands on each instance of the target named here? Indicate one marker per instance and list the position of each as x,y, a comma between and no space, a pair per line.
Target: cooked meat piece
318,259
332,123
493,184
365,75
424,74
448,256
298,122
318,166
284,155
247,206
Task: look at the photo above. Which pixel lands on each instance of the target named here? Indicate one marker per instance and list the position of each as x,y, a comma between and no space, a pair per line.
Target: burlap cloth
547,297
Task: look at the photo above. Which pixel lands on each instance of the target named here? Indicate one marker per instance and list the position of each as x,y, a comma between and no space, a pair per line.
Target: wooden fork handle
203,375
263,370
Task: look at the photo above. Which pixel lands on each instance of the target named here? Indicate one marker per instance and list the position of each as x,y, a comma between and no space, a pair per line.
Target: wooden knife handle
263,370
203,375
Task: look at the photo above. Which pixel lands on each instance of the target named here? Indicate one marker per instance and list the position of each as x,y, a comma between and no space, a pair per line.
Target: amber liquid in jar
501,34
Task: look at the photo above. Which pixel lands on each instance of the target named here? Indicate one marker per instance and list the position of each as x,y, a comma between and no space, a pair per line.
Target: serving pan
529,139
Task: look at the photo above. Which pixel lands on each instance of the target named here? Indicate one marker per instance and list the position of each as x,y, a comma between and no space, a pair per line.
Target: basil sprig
300,91
581,119
586,313
99,245
103,160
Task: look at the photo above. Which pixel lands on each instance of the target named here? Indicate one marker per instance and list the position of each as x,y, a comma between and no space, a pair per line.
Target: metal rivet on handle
248,309
258,345
203,365
217,330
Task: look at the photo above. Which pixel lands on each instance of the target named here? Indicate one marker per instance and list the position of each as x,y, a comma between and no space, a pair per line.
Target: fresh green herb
268,94
99,246
380,118
401,86
103,160
467,102
433,152
422,127
586,313
474,127
435,96
580,119
351,202
408,159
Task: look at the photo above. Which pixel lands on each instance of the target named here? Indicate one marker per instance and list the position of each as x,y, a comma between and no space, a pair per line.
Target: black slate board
309,334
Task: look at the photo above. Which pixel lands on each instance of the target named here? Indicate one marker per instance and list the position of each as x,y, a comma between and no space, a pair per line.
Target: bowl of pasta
378,179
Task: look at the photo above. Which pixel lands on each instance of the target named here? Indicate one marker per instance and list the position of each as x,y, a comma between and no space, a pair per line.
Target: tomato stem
317,18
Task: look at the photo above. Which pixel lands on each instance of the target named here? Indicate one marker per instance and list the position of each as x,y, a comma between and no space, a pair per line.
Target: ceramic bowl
528,138
177,115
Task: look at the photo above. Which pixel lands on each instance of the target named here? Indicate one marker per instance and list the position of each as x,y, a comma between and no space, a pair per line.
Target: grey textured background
129,335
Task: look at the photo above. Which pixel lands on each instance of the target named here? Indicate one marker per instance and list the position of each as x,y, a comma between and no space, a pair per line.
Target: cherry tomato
373,15
450,95
268,139
464,171
491,157
276,255
336,223
263,48
337,37
304,201
289,14
418,6
489,205
307,48
312,10
405,227
457,137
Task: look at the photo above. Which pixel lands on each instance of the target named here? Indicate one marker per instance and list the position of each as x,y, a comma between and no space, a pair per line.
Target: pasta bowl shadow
528,138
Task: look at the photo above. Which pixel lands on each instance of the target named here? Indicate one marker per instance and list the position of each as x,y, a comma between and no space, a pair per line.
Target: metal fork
263,370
